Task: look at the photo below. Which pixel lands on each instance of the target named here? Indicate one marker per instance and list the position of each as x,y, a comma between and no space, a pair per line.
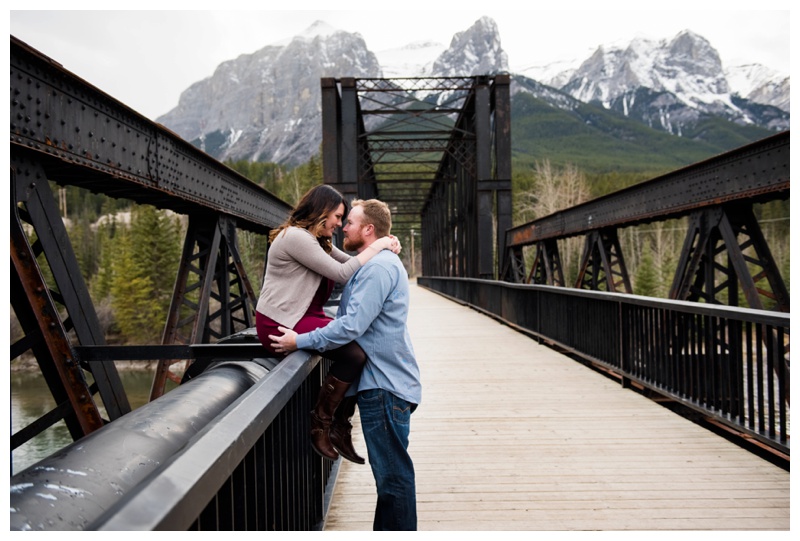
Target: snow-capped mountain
412,60
265,106
687,66
680,81
759,84
476,51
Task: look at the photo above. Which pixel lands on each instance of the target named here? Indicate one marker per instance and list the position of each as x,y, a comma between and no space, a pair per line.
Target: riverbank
27,363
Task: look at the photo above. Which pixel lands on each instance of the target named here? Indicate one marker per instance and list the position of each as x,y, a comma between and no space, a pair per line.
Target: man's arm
373,284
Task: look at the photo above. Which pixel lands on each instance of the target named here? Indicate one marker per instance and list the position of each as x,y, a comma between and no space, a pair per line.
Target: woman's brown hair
311,212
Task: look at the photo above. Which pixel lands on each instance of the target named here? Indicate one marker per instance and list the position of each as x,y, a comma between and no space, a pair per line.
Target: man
373,311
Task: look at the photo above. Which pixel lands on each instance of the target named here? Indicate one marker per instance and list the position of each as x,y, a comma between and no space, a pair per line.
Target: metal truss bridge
438,151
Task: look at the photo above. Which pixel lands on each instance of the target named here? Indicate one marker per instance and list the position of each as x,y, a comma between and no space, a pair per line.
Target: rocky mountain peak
475,51
691,56
687,66
265,106
317,29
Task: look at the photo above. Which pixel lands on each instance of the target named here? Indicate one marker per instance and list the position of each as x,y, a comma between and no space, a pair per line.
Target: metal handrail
728,363
239,460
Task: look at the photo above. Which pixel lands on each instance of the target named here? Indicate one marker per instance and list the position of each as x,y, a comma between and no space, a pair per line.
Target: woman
302,268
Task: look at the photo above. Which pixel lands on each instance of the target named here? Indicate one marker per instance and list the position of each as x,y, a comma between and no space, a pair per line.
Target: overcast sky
147,58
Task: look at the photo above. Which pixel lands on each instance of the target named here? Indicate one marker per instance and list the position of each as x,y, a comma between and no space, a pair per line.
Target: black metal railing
254,463
247,466
731,364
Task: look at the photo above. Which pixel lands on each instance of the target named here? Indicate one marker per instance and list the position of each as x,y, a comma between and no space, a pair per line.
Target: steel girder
720,190
66,131
602,266
210,270
437,150
756,172
85,138
724,250
716,246
47,327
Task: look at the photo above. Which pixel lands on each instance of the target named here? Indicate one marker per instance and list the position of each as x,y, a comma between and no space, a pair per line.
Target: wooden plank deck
513,436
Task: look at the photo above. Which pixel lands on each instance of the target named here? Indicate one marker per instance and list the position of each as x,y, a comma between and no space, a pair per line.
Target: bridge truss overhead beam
66,131
718,194
83,137
758,171
447,139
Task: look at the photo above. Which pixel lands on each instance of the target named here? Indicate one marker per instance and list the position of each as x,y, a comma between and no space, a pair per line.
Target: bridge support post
716,231
603,263
46,337
46,329
210,252
502,160
546,268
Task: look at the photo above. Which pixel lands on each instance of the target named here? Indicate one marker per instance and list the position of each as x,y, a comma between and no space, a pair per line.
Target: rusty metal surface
32,301
84,137
759,171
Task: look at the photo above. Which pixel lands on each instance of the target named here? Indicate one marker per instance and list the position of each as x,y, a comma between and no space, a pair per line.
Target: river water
30,399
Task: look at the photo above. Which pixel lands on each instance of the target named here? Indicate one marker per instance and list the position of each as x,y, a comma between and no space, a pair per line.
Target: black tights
348,361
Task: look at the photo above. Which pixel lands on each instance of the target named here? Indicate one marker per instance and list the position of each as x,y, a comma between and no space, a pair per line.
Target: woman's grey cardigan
295,266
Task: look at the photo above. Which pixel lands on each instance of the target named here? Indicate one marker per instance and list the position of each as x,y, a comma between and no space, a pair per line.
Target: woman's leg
348,361
331,431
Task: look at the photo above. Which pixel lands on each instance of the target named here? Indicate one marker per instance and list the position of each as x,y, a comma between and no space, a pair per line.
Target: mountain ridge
265,106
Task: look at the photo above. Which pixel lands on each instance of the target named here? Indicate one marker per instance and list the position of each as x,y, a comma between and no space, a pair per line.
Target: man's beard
352,245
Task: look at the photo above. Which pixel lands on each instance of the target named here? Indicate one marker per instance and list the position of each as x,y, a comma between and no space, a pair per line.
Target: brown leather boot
330,395
340,432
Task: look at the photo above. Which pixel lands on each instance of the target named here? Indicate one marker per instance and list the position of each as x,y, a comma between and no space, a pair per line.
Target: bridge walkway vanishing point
512,435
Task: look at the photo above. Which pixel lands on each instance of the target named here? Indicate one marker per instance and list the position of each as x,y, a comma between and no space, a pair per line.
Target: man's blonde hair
376,213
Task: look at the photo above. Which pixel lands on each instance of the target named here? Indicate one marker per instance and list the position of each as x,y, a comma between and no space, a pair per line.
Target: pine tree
156,249
646,281
135,307
100,285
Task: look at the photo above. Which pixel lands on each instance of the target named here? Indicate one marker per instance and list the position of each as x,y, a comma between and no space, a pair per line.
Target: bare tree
553,190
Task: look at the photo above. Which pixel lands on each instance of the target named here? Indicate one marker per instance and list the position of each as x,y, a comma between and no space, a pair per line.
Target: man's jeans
385,421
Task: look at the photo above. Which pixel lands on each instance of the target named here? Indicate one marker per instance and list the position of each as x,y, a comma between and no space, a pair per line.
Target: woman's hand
395,248
389,242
